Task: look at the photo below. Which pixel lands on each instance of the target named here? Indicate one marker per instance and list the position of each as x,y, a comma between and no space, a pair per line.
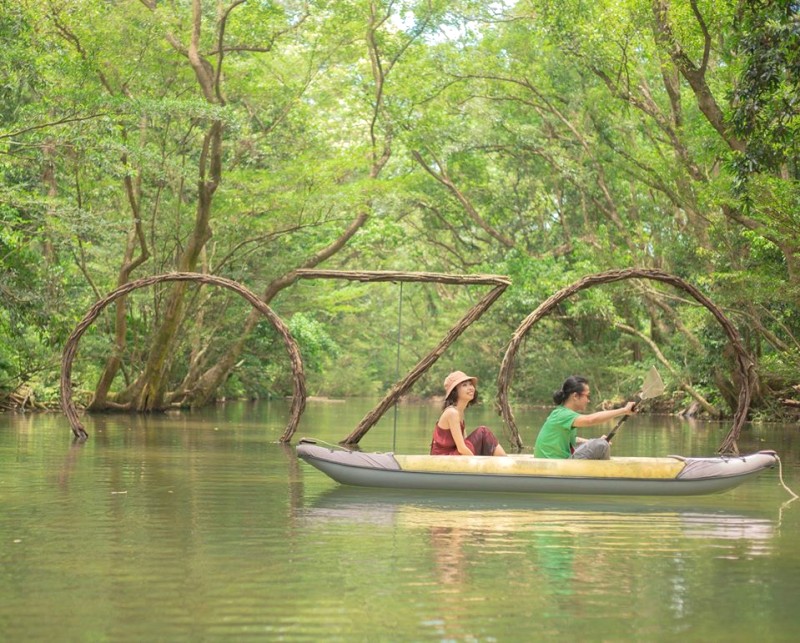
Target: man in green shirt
558,437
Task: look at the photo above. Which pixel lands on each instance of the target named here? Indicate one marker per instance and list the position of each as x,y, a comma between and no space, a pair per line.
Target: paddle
653,386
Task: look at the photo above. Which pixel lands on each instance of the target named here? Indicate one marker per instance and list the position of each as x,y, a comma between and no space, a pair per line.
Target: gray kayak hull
696,476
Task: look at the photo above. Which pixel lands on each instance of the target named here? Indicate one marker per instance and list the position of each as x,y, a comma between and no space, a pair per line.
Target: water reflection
447,544
574,551
727,527
69,463
503,519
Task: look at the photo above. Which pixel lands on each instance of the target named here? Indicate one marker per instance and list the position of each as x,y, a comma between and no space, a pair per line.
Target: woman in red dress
448,437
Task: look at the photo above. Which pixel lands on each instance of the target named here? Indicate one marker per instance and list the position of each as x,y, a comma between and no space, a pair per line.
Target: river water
202,527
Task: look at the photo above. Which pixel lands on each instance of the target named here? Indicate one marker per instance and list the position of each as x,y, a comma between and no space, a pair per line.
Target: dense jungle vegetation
543,140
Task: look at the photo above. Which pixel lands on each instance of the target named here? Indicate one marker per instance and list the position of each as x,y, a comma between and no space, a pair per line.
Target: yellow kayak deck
526,465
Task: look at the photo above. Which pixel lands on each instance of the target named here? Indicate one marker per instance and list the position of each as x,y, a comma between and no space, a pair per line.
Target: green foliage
765,100
559,139
316,346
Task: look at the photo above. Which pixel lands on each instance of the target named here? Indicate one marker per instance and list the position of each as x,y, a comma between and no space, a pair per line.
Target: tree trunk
148,392
100,398
201,391
136,237
694,74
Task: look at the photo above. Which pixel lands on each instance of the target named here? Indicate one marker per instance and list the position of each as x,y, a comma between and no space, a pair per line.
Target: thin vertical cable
397,362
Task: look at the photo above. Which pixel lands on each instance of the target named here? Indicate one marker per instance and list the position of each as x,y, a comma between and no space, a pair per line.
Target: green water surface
202,527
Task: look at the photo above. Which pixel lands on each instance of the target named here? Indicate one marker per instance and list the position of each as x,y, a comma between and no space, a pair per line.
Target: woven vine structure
743,363
299,393
71,347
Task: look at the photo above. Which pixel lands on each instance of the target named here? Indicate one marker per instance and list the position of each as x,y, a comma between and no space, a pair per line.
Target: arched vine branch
71,347
743,362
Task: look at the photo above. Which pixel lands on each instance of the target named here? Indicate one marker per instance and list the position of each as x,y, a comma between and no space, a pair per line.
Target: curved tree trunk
71,346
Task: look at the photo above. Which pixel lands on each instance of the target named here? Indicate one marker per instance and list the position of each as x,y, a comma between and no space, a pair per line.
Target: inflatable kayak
628,476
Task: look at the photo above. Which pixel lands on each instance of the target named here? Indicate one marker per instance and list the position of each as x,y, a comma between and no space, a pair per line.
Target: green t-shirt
557,434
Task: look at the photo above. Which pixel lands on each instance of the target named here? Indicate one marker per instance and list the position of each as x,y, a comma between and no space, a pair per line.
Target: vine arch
71,346
743,362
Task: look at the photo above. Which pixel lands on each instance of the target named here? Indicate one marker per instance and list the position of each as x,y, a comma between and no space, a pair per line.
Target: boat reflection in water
555,561
611,523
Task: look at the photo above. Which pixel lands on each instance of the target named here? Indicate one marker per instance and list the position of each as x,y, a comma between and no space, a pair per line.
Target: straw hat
455,378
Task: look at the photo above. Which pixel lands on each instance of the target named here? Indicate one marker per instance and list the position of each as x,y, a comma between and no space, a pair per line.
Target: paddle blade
653,385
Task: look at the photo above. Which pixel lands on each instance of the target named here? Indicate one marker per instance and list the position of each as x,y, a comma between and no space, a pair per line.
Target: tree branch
696,76
442,177
686,386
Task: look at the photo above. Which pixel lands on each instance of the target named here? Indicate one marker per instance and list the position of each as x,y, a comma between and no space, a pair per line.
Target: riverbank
781,410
